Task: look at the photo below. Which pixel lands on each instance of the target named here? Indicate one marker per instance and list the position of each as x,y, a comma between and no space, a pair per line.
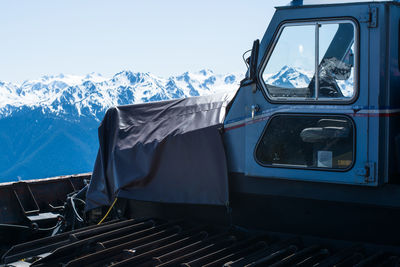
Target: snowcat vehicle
301,167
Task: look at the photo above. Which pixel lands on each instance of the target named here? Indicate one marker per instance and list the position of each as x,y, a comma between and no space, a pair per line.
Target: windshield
292,66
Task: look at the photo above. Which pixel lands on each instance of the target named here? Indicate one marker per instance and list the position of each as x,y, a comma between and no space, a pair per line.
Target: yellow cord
105,216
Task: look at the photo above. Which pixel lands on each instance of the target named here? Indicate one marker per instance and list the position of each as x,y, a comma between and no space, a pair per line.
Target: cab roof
297,3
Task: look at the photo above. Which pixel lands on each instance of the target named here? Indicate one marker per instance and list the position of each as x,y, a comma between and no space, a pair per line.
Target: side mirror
254,60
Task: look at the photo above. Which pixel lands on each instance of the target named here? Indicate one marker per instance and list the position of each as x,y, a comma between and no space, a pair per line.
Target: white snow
90,94
292,77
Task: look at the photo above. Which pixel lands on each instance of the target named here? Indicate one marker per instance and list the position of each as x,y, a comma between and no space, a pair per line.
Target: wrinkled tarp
168,151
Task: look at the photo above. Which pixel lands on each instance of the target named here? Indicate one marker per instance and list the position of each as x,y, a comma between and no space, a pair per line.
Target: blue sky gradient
163,37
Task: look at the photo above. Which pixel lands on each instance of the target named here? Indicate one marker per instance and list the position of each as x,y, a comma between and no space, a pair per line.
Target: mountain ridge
48,126
90,95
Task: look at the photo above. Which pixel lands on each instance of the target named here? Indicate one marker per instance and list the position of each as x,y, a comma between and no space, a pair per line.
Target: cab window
313,61
307,141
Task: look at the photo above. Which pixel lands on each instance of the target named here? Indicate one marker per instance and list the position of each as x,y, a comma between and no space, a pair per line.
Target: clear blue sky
163,37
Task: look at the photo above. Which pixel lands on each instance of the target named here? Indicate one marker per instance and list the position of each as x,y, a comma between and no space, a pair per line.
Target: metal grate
152,242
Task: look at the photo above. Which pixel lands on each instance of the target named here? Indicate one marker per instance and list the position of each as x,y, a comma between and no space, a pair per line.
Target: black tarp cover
168,151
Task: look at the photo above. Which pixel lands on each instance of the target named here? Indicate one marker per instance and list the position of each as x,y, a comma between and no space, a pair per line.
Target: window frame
315,100
287,166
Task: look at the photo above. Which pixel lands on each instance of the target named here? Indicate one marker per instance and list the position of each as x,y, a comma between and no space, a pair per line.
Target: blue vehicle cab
300,168
316,121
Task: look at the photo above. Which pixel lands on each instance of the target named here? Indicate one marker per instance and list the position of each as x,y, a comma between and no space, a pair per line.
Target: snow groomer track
152,242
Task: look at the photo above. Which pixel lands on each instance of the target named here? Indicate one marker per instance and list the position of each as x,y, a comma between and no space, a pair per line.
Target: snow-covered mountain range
290,77
48,126
92,94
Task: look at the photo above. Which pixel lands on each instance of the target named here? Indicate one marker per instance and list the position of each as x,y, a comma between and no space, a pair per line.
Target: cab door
305,121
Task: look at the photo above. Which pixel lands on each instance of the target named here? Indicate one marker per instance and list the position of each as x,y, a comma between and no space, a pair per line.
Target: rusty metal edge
47,179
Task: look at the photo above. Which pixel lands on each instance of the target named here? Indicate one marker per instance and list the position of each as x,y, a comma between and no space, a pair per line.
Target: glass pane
291,65
307,142
336,60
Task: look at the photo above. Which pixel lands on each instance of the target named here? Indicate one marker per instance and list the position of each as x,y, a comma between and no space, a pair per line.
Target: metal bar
150,255
251,258
202,251
371,260
314,259
133,236
104,228
42,245
278,255
189,248
86,245
350,261
117,233
231,250
296,257
237,254
110,254
340,256
316,89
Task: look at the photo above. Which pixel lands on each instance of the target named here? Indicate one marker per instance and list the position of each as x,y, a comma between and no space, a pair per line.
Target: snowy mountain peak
289,77
90,95
206,72
93,75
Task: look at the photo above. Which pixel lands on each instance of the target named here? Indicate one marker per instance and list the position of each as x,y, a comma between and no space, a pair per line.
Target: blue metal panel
393,89
369,111
330,2
234,137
